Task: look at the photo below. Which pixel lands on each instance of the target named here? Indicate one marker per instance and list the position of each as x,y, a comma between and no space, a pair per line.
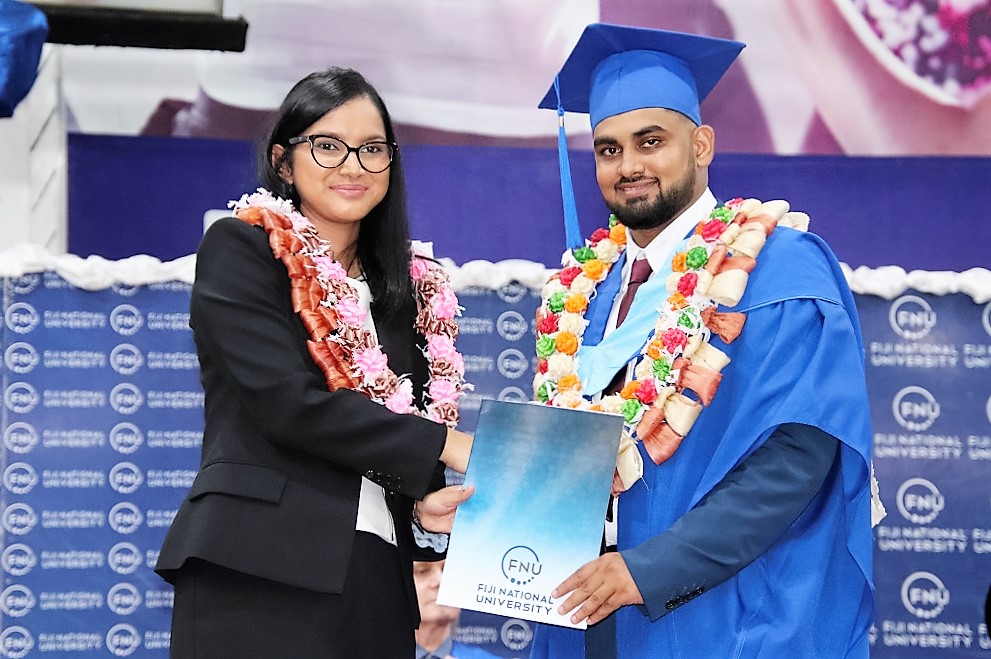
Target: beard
641,213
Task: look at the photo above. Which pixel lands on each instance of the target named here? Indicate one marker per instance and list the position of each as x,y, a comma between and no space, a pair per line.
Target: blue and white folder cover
542,477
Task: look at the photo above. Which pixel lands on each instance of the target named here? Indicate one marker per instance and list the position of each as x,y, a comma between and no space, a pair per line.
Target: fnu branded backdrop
101,430
101,436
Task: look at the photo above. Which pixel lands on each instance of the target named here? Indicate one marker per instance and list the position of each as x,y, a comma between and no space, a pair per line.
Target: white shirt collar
659,249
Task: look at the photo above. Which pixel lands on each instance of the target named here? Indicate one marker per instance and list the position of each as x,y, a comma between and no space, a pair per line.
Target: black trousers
221,614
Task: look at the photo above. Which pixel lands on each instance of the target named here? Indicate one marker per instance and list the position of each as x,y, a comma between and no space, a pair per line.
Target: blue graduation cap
615,69
23,29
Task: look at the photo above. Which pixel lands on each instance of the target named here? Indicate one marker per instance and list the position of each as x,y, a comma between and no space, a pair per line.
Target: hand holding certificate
542,477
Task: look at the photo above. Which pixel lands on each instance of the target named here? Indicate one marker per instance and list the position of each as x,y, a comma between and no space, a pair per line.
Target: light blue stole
598,361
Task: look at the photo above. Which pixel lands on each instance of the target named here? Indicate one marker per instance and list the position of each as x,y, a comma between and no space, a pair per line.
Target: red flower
599,234
674,338
548,324
712,230
541,365
687,283
647,392
568,275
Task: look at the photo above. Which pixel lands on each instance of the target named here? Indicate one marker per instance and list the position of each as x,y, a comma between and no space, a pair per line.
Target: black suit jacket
277,491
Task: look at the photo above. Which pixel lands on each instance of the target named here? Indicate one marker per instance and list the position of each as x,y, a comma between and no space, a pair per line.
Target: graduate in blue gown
754,538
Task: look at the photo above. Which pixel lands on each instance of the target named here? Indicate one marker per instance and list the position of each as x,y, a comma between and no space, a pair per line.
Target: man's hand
436,511
598,588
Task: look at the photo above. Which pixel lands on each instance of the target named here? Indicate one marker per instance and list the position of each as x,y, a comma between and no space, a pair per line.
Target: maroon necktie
640,274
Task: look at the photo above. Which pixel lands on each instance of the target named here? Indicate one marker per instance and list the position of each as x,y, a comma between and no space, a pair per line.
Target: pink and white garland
329,307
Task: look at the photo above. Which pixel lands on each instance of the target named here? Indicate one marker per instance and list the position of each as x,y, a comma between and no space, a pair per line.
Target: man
748,534
433,637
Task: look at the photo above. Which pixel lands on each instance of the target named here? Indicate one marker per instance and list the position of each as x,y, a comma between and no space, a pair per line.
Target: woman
295,538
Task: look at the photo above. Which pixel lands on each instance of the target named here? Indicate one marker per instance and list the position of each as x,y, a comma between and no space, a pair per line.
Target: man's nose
630,164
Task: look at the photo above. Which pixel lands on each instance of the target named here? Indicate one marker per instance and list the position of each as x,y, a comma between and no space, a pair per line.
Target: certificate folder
542,477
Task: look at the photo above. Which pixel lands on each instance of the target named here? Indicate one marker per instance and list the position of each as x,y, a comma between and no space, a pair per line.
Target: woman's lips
350,191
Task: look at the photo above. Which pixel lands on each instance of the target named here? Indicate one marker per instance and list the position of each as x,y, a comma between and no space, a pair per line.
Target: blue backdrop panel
147,195
496,336
929,380
102,425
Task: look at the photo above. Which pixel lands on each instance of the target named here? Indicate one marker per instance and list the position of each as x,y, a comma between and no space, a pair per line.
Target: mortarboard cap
615,69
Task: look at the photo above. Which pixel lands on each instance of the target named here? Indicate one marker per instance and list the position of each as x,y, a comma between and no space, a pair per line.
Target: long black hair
383,239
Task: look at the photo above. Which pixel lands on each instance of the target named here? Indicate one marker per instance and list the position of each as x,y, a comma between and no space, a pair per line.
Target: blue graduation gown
798,360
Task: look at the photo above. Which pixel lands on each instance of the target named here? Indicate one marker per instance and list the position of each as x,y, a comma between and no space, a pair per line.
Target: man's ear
284,170
703,145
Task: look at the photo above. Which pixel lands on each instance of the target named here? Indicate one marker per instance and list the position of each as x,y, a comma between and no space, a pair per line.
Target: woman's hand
457,448
436,512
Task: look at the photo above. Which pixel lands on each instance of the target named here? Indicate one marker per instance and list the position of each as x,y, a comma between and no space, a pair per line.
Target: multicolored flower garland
677,356
328,305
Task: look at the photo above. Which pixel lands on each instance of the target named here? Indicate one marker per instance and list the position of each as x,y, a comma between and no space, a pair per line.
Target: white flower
695,241
612,404
572,322
559,365
582,285
606,251
552,287
570,398
645,369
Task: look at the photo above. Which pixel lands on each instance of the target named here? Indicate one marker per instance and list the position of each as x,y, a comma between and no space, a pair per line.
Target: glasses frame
356,150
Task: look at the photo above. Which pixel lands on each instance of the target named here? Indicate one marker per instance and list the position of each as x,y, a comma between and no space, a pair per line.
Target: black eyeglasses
330,152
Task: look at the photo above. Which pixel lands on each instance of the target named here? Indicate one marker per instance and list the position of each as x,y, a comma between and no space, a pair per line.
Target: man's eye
608,151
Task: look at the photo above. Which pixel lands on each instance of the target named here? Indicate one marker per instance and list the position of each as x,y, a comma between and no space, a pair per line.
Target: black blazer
277,491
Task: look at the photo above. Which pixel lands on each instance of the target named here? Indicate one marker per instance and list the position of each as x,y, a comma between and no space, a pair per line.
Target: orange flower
594,269
618,234
576,303
698,228
654,349
596,408
678,301
630,390
567,343
678,262
568,382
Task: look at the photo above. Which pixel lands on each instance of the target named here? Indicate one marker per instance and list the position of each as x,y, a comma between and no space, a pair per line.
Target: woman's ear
281,165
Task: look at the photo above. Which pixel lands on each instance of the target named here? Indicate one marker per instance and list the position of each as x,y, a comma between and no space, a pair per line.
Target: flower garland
329,307
713,269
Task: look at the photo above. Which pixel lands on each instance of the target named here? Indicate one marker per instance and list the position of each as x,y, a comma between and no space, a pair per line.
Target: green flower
556,302
722,214
686,320
630,409
544,392
613,221
696,258
545,346
662,369
583,254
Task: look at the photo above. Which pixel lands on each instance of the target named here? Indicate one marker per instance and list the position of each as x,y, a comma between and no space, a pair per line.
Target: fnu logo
915,409
520,565
924,595
919,501
911,317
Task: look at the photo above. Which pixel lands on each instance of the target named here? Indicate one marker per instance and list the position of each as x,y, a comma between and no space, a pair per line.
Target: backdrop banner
102,426
929,380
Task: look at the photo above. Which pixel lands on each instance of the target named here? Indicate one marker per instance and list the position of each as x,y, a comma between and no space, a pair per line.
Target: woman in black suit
295,539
